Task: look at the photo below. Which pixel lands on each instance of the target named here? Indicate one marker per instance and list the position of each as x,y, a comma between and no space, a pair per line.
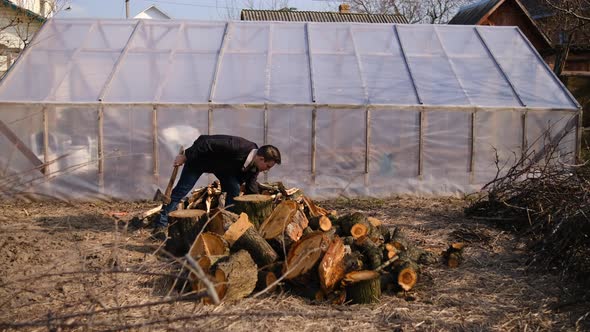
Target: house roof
25,11
472,13
313,16
476,13
152,11
284,63
537,8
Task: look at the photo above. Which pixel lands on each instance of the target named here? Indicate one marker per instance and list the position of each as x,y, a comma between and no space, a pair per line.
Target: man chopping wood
233,160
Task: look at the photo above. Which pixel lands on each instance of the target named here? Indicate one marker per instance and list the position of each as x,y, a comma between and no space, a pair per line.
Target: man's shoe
159,234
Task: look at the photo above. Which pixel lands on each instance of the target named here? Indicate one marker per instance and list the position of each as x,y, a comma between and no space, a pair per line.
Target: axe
165,198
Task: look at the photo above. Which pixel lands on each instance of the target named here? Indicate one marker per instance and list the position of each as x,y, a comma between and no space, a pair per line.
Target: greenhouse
97,109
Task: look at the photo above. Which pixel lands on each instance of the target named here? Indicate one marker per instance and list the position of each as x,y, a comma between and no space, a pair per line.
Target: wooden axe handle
173,177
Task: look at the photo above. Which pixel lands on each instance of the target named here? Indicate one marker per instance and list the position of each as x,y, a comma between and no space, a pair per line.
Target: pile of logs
282,239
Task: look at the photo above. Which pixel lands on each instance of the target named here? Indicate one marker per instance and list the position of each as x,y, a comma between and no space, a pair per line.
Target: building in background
153,13
19,21
343,15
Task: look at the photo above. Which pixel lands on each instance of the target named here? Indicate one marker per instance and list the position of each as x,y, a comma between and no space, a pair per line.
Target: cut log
389,251
266,279
241,235
375,222
205,262
453,256
363,287
257,207
357,225
372,252
311,292
276,222
235,277
406,274
305,254
332,268
359,230
353,261
183,229
347,221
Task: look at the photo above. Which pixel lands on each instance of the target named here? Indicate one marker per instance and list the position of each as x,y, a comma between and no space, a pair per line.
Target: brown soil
75,267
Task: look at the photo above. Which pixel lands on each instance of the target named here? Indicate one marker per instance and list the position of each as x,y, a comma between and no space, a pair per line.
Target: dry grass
74,267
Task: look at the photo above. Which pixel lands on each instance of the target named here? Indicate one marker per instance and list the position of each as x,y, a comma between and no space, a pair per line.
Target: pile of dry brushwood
549,201
282,239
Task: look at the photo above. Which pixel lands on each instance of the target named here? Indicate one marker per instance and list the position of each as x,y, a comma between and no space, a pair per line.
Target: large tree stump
241,235
257,207
183,229
363,286
332,268
235,277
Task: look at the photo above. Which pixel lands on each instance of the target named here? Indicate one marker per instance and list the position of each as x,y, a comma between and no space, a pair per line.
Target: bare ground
74,267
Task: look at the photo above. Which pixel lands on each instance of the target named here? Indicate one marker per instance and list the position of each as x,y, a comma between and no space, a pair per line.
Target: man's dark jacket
224,156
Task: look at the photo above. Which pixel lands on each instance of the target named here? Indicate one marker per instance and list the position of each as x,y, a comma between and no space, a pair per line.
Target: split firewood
183,229
332,267
284,226
305,254
197,197
314,210
453,256
257,207
276,222
363,287
236,276
320,223
206,250
279,192
241,235
141,219
209,244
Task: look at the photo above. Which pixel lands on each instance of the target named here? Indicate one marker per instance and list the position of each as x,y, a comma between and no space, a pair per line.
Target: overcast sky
185,9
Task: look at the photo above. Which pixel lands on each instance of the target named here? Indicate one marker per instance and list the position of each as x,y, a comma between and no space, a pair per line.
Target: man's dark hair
269,153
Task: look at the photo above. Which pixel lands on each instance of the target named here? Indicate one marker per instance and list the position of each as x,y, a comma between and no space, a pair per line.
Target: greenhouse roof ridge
257,62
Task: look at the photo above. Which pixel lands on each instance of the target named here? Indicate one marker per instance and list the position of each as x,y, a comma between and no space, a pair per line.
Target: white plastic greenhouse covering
98,108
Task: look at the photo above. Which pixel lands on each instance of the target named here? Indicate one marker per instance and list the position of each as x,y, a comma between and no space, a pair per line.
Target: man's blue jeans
189,176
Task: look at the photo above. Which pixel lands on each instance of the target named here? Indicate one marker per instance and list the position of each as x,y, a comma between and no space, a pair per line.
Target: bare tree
415,11
231,8
567,22
19,21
